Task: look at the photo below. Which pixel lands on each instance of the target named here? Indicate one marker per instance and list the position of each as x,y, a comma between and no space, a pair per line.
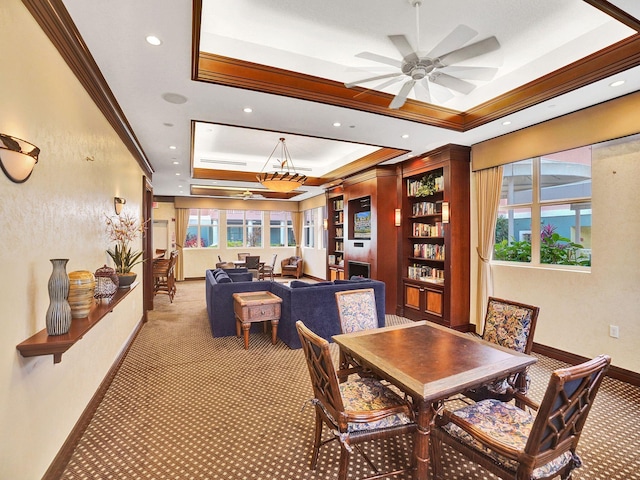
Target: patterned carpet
187,406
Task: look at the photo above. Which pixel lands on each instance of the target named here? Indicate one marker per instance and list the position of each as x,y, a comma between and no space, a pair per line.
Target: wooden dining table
430,363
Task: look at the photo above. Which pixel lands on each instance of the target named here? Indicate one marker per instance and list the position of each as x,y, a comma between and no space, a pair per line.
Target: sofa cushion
301,284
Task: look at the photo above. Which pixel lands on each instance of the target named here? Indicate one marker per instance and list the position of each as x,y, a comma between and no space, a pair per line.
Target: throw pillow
221,277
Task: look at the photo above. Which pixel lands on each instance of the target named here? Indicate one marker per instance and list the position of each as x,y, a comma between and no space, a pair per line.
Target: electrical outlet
614,331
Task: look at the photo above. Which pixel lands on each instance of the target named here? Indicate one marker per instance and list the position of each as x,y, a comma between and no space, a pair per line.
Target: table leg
238,327
274,332
424,420
245,330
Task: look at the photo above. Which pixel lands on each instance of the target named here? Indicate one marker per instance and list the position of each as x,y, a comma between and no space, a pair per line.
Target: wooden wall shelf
43,344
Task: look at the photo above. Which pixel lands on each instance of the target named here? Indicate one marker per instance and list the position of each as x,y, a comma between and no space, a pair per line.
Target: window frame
214,225
536,207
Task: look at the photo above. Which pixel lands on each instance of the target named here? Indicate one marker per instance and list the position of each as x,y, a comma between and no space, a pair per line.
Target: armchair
292,266
356,411
511,325
514,444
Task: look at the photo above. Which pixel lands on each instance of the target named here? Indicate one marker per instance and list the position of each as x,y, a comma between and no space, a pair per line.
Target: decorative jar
82,285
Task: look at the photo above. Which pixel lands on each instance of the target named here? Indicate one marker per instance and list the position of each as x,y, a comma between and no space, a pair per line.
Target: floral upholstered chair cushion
366,395
507,325
506,424
357,310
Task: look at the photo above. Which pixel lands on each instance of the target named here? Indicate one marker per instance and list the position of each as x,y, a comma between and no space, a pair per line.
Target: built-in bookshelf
435,229
335,231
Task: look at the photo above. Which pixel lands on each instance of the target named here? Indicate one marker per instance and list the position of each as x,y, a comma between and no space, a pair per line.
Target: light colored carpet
186,405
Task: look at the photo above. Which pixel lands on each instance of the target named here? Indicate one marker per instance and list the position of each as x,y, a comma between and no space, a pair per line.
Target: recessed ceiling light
174,98
247,110
336,124
153,40
177,174
176,163
406,135
617,83
172,147
506,122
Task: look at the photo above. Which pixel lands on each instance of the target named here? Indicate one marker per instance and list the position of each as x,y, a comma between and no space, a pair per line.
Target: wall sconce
445,212
397,217
118,203
325,224
17,158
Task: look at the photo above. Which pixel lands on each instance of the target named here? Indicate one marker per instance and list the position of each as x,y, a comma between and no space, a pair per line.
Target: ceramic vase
81,288
59,312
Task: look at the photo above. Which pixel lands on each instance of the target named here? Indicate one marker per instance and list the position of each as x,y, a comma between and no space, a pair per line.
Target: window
309,228
203,230
553,191
281,230
244,228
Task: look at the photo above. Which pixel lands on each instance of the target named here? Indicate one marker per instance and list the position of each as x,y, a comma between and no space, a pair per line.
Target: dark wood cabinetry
335,234
434,270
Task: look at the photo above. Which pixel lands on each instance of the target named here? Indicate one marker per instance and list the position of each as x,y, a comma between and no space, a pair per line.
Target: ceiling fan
426,74
248,194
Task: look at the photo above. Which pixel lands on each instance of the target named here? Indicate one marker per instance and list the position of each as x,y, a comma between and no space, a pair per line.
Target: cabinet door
434,304
412,298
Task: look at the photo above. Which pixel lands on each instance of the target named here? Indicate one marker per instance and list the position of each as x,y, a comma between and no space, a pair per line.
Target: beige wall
576,308
57,213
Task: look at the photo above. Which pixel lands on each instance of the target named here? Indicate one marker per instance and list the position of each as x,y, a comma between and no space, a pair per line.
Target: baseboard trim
63,456
617,373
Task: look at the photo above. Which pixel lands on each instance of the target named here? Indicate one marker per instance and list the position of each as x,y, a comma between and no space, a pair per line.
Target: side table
252,307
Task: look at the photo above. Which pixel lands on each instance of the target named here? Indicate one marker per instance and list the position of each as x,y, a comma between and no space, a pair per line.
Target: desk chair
514,444
356,411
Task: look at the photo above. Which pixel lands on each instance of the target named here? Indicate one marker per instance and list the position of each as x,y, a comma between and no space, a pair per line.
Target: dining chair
356,411
268,269
511,442
512,325
242,256
356,311
252,262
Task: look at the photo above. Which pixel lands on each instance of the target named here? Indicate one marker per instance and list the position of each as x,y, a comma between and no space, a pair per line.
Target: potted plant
123,230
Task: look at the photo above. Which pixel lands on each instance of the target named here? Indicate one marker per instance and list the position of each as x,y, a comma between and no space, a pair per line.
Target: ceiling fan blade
456,39
401,97
380,86
470,51
404,47
440,94
453,83
371,79
422,91
471,73
380,59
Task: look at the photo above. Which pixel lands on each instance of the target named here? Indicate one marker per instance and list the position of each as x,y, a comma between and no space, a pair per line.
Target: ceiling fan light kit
436,68
285,179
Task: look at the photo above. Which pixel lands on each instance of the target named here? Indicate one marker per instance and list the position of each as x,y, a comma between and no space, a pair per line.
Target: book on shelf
428,230
338,217
339,232
428,251
414,186
338,204
426,273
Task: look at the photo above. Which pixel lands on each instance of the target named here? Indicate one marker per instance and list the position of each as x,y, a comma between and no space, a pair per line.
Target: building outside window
281,230
309,227
244,228
203,230
554,192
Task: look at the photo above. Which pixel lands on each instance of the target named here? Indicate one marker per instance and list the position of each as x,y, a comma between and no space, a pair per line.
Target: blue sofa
313,303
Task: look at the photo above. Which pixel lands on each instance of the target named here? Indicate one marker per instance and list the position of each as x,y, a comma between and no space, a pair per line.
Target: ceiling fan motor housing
418,70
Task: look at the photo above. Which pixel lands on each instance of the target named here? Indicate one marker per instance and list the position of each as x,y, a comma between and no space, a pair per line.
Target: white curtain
488,185
182,222
296,220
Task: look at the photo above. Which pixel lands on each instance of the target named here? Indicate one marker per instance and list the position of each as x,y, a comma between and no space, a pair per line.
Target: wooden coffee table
250,307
